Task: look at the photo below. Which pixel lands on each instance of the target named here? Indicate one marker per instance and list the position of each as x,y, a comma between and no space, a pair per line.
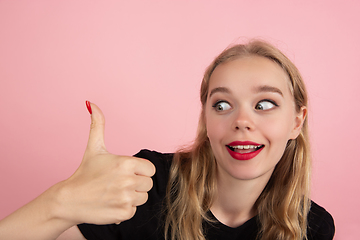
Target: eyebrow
219,89
267,88
263,88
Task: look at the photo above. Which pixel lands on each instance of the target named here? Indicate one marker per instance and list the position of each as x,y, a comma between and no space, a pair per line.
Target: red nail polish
88,107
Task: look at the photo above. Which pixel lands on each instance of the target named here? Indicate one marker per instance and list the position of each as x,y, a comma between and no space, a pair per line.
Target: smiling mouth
244,151
245,148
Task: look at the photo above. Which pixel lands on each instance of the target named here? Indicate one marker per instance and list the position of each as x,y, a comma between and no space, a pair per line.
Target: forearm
105,189
41,219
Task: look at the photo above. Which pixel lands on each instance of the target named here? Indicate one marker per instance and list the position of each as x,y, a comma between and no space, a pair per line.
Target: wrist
59,208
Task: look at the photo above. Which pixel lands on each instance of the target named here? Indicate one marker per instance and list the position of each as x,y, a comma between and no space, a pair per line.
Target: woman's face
250,115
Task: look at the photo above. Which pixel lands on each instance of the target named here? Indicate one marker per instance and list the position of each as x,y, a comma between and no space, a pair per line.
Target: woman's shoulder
320,223
157,158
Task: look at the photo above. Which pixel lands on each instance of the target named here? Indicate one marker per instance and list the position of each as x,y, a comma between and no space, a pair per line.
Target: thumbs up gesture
106,188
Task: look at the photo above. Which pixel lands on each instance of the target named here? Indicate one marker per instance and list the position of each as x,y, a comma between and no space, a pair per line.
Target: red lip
243,143
243,156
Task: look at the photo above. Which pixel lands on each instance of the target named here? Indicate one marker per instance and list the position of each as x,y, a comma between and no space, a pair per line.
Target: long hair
283,205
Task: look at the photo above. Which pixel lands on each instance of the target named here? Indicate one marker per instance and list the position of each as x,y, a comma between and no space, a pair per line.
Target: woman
246,176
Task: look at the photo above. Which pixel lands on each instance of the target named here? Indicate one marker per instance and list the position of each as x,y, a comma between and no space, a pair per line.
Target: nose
243,121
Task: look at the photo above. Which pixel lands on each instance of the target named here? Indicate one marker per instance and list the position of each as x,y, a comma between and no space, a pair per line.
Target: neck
235,200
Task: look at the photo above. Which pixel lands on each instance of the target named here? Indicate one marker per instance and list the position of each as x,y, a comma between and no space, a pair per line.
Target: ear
298,123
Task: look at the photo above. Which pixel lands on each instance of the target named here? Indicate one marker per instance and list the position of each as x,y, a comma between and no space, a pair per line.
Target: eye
265,105
221,106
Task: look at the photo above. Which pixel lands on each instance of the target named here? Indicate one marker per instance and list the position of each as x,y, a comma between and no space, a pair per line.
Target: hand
106,188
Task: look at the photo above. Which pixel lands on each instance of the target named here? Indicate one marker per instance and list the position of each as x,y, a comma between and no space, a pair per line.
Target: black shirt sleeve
320,224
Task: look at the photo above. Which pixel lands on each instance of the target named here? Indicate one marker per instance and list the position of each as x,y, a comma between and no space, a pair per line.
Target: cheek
215,128
277,131
215,135
212,129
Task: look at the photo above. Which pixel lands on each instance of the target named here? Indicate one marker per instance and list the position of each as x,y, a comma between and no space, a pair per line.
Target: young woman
246,176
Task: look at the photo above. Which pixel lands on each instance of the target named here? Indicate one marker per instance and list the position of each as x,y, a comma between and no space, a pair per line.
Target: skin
105,189
249,100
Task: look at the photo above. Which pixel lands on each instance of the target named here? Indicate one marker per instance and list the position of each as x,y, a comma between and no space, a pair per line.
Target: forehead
250,72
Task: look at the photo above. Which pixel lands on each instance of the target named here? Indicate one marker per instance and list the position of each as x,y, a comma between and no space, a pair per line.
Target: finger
144,167
140,199
144,184
97,129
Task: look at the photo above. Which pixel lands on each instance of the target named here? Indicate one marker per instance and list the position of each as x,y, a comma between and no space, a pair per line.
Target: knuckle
150,184
141,199
128,212
129,182
153,169
126,199
93,124
127,164
145,198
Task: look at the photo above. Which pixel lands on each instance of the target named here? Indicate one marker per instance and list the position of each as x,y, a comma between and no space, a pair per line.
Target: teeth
245,146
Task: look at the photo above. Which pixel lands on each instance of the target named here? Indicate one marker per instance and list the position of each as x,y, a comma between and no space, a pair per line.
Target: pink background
142,63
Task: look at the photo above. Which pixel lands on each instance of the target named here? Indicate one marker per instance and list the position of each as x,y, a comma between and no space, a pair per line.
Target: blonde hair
283,205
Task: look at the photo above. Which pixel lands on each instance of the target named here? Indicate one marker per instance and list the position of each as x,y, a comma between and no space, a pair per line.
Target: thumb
96,140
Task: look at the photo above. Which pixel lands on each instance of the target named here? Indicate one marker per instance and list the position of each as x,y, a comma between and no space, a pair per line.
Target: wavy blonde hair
283,205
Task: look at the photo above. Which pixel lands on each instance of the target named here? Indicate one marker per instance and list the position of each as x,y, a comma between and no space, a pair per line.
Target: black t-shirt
147,223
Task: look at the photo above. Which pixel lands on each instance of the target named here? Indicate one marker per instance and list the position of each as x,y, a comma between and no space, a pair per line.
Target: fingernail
88,107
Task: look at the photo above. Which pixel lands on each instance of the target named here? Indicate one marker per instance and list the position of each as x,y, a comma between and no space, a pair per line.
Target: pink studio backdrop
142,63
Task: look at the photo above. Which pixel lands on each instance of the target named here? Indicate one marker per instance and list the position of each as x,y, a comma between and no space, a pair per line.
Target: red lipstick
251,149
